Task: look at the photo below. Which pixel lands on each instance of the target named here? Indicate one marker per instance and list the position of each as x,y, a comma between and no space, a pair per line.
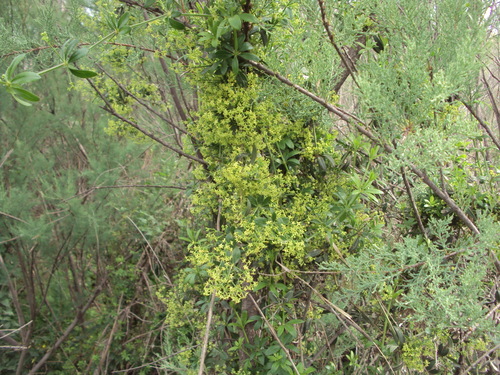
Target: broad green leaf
82,73
23,94
235,22
111,22
280,330
68,48
78,54
176,24
222,54
25,77
250,56
221,29
9,74
322,163
290,329
264,36
289,143
247,17
20,101
123,20
125,30
373,191
260,285
245,47
272,349
235,65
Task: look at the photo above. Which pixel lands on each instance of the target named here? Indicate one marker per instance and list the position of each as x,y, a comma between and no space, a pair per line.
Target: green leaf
111,22
25,77
125,30
264,37
250,56
260,285
247,17
222,54
235,22
245,47
82,73
176,24
280,330
20,101
9,74
123,20
78,54
291,330
322,163
235,65
272,349
68,48
20,93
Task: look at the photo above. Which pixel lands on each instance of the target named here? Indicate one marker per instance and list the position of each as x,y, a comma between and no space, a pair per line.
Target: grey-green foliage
437,292
429,56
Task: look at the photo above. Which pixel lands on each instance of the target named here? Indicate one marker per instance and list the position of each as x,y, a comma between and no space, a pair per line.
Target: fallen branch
347,65
207,334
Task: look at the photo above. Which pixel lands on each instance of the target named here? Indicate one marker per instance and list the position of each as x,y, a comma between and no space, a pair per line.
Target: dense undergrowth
278,187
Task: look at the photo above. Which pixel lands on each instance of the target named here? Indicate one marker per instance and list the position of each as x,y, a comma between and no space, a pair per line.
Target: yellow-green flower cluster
235,118
266,209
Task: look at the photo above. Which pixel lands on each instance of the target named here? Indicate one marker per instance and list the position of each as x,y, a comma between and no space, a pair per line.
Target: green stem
51,68
196,15
148,21
107,37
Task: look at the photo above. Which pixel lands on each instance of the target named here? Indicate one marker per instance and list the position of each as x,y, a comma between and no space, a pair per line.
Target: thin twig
493,102
69,329
109,108
326,25
6,336
41,48
92,189
156,361
153,251
144,104
466,371
4,159
14,295
346,116
275,335
155,10
341,314
104,354
413,204
483,124
13,217
207,334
